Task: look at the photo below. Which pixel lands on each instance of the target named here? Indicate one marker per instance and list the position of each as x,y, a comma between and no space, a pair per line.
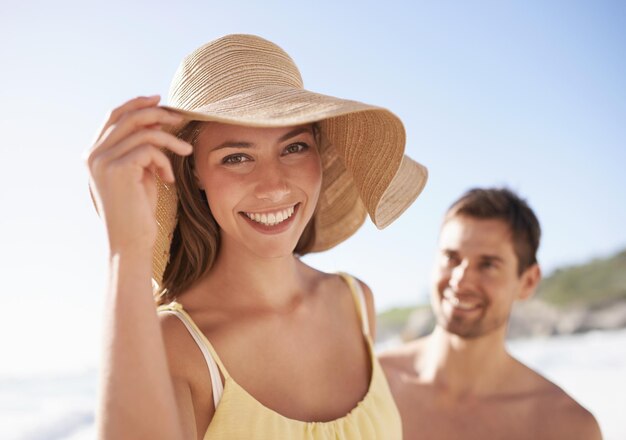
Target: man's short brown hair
503,204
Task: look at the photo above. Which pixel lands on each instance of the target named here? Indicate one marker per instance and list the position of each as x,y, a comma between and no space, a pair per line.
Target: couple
209,203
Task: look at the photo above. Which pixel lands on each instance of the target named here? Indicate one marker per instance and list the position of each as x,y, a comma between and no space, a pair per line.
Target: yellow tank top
239,416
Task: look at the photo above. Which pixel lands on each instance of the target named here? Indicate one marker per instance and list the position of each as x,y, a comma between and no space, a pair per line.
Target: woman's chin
273,251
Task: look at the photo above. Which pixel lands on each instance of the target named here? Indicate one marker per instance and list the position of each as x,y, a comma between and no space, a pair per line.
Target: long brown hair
196,238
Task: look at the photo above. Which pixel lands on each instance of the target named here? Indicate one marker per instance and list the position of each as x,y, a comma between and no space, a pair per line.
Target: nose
461,277
272,183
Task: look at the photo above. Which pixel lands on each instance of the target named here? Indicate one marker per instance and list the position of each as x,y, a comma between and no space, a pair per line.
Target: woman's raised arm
137,398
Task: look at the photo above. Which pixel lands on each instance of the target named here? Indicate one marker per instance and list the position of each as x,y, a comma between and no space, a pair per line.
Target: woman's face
262,184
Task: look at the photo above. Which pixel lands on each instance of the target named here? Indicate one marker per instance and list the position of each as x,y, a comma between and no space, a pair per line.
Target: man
460,382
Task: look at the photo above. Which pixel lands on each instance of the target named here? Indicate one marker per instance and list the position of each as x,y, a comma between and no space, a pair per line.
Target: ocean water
591,367
40,407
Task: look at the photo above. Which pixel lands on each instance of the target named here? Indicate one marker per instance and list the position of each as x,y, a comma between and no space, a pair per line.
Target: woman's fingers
136,120
100,162
154,137
147,157
129,106
131,149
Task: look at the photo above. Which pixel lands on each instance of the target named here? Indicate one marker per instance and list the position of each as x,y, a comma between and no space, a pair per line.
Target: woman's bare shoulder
182,351
189,372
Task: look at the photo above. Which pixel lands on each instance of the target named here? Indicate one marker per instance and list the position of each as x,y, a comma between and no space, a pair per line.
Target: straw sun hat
246,80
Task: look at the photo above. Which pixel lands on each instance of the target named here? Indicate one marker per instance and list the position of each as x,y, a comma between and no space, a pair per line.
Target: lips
462,302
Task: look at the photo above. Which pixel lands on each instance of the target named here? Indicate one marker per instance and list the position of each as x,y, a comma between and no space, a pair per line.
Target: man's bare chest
497,419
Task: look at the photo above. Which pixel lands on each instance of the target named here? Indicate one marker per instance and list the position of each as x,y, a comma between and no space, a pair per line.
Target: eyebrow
453,252
283,138
491,258
232,144
295,132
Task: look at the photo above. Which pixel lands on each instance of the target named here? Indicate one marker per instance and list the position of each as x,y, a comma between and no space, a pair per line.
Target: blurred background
526,94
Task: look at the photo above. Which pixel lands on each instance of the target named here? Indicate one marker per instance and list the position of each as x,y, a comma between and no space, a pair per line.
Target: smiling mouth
458,303
271,218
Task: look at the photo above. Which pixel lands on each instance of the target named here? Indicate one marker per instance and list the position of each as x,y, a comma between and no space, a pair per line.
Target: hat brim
365,170
369,140
274,106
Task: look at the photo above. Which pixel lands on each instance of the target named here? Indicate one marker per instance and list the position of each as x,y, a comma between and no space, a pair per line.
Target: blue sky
528,94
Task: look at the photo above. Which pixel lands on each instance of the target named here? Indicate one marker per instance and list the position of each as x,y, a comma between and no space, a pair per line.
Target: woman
244,171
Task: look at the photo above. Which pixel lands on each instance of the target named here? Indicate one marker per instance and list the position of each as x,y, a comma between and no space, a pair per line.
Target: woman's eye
298,147
234,159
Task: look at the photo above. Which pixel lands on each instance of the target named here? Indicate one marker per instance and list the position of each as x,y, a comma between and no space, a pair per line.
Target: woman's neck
243,279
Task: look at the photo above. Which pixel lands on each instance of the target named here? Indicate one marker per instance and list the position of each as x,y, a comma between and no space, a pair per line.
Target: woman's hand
123,163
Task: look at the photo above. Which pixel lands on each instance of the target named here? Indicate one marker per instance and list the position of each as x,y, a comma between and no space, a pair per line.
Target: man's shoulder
403,351
569,418
580,422
561,413
400,360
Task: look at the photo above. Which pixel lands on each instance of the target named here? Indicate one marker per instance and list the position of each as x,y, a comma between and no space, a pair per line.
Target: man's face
475,277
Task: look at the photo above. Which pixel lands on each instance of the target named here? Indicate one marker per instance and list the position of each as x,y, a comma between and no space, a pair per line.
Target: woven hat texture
247,80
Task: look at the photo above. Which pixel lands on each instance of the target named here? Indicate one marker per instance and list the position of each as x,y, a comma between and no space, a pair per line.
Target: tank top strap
359,301
213,361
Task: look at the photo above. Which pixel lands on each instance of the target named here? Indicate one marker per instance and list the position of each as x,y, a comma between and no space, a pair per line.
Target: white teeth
456,302
464,306
272,218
